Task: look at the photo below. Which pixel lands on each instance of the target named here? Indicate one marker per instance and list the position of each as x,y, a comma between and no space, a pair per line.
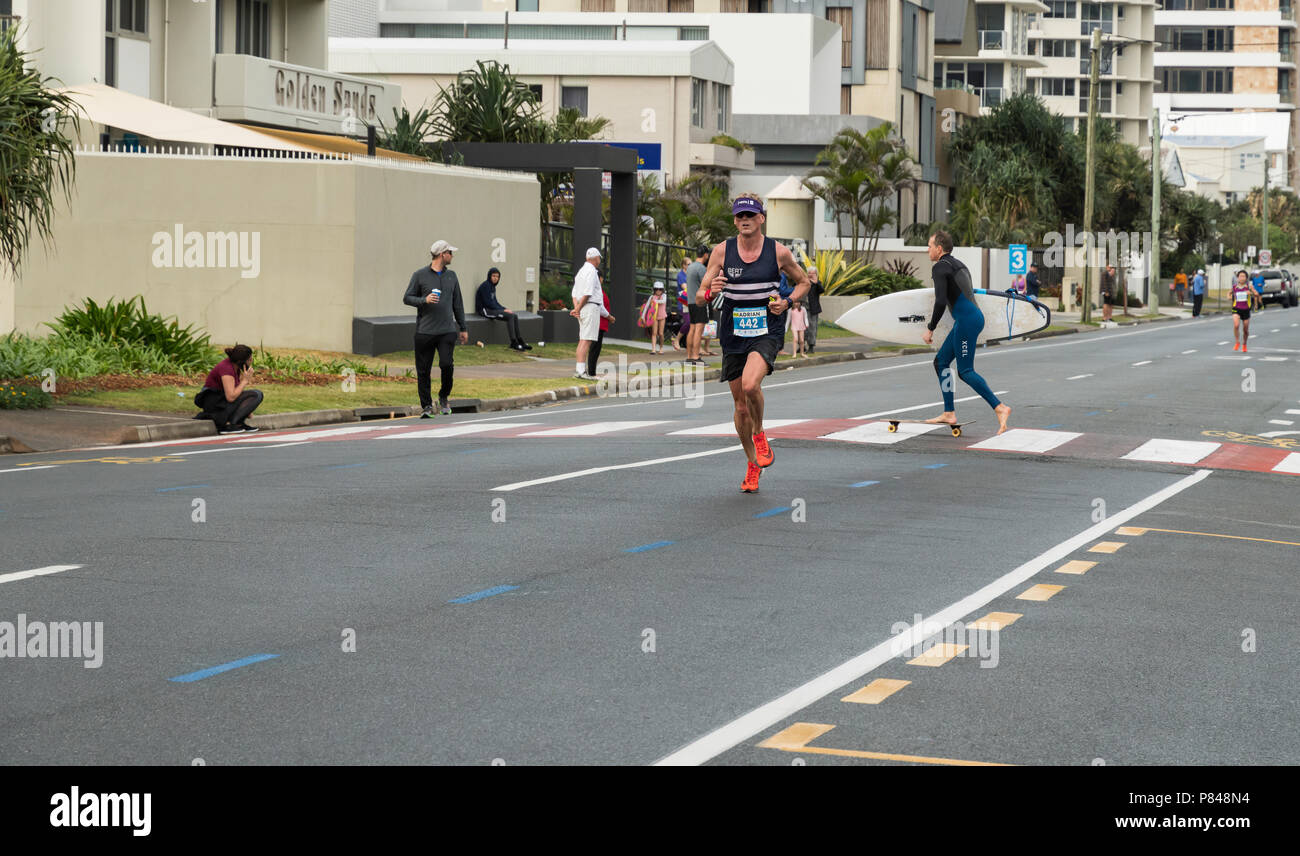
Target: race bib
749,322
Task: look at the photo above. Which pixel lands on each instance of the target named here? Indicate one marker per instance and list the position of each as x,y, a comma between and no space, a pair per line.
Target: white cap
658,286
593,252
1200,270
440,247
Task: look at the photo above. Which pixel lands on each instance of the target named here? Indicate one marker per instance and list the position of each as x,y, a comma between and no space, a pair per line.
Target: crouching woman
226,398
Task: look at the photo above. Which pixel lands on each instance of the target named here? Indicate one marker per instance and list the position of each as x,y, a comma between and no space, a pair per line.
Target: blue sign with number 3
1018,258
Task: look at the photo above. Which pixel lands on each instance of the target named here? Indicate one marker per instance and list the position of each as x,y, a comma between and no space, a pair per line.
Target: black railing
655,260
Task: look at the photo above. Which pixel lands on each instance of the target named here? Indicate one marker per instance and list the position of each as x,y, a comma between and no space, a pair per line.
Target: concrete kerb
188,430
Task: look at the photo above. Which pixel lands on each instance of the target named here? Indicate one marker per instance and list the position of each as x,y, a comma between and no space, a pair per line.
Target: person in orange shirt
1180,285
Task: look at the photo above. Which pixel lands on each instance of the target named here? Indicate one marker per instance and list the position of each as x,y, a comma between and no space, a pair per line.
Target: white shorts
589,322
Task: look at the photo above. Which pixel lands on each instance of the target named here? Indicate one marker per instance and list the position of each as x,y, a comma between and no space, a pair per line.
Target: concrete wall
333,239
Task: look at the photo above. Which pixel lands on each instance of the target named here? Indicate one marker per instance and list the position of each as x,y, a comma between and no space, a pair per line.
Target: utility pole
1094,70
1153,283
1263,245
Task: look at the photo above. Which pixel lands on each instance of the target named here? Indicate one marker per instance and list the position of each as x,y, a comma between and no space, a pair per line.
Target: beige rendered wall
333,239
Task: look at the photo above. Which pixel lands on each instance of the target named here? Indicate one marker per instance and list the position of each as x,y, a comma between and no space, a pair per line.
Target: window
1097,15
673,5
1193,80
536,89
253,28
722,102
127,16
1195,5
1059,86
844,17
1194,38
1103,96
1085,61
698,96
878,33
526,6
846,100
574,96
1060,9
1059,47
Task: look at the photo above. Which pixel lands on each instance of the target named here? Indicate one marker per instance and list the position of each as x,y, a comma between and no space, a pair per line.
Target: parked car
1278,287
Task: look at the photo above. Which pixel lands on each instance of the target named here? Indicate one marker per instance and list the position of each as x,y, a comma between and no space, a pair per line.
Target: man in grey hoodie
440,313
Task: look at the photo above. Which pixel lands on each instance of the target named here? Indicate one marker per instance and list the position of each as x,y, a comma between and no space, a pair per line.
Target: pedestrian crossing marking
728,428
456,430
592,429
1172,451
1289,464
1026,440
878,433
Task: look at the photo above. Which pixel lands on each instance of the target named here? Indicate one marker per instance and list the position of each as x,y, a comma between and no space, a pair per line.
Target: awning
330,143
106,105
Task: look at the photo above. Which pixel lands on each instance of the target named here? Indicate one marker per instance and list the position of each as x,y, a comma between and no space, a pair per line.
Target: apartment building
813,58
1227,68
984,48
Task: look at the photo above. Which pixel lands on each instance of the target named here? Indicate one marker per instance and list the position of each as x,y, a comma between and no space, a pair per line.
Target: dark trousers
594,353
229,413
512,325
425,347
1197,299
810,337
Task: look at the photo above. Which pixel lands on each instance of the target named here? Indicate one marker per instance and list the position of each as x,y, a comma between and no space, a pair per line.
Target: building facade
985,49
1227,67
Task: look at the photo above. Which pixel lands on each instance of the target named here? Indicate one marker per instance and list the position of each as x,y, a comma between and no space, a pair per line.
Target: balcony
1286,53
994,40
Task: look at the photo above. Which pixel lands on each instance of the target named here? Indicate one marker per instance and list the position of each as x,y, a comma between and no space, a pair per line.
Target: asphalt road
405,593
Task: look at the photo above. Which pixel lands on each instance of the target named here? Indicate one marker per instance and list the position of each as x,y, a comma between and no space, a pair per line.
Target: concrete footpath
67,427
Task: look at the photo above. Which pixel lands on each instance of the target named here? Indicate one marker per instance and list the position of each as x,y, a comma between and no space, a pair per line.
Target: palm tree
36,160
858,174
487,104
408,133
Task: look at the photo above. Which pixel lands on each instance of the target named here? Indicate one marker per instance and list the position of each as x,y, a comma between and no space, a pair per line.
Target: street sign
1250,251
1265,258
1018,258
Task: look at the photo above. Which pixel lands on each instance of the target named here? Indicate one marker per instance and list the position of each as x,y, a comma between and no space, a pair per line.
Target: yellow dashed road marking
1106,547
1076,567
1042,591
1131,530
938,655
1217,535
996,620
876,691
797,737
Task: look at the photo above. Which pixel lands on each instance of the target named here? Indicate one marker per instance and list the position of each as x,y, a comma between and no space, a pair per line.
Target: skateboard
956,428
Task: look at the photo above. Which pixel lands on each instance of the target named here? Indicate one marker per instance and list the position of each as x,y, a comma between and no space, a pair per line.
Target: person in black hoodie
486,304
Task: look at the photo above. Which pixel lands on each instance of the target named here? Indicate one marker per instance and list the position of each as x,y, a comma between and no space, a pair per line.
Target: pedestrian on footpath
954,292
588,308
699,314
813,308
594,355
799,327
1198,292
1031,283
1180,286
434,291
487,305
746,271
659,300
1107,292
1244,296
226,398
682,340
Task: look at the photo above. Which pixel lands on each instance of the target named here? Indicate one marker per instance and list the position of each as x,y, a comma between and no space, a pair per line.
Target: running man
952,290
1244,296
751,324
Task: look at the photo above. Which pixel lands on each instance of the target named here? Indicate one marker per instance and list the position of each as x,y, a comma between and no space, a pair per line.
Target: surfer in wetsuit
953,291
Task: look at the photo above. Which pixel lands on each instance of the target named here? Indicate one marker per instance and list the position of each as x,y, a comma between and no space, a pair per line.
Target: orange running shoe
1243,349
750,484
1236,346
763,450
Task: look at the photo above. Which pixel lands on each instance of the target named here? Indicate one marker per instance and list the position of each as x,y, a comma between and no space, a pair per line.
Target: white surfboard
901,316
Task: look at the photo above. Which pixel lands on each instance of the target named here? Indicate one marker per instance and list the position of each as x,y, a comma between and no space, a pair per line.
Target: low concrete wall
272,251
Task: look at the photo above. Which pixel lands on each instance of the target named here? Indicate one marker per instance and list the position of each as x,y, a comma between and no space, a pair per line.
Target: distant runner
751,324
952,289
1244,296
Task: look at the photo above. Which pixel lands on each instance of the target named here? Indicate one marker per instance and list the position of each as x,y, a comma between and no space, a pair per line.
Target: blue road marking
864,484
645,547
182,487
479,595
774,511
224,667
934,466
1093,413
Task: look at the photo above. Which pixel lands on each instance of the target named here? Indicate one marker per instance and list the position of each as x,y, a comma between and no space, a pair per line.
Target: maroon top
225,367
604,322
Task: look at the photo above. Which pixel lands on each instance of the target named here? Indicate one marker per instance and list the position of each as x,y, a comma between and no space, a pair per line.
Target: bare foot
948,417
1004,413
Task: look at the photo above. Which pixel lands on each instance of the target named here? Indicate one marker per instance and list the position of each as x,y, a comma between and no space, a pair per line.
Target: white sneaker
583,376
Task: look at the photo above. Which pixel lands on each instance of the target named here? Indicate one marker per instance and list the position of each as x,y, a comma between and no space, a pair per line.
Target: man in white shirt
588,308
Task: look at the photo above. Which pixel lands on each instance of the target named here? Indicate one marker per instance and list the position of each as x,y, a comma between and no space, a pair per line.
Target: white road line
1224,342
879,434
457,430
727,428
1143,363
1234,357
1026,440
1281,422
25,469
1192,351
1272,359
743,728
923,406
1278,433
1275,331
592,429
1293,412
595,470
1079,376
1171,451
36,572
1289,464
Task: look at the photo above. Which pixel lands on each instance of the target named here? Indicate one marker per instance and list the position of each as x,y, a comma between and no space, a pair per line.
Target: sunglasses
746,215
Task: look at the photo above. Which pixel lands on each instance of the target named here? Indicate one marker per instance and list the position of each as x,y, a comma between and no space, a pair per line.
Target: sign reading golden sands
326,96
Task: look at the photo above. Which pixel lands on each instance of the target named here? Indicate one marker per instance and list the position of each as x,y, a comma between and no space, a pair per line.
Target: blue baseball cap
745,203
